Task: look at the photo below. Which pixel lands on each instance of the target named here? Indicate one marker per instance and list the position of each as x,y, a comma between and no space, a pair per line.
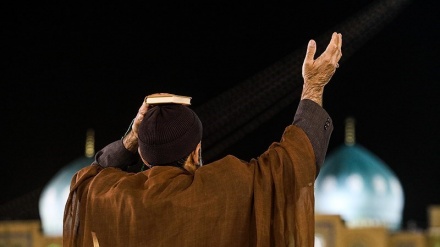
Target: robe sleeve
116,155
113,155
317,125
284,179
75,204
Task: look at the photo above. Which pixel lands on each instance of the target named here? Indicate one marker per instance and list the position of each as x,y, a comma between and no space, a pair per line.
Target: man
268,201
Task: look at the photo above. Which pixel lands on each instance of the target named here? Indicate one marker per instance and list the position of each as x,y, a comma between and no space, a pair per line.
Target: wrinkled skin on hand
318,72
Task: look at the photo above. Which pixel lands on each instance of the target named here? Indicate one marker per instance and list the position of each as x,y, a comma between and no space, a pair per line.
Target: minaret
350,137
90,143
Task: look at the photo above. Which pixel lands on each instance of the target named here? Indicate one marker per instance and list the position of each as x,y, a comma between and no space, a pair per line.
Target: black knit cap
169,133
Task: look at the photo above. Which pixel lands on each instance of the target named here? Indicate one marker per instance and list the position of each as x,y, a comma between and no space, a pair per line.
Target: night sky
69,67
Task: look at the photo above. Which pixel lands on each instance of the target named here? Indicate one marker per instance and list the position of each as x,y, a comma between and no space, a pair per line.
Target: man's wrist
313,92
130,142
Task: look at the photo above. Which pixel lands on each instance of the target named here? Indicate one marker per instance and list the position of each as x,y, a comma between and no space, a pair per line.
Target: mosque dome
54,195
357,185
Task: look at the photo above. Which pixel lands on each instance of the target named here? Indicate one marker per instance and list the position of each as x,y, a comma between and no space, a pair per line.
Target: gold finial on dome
90,143
350,138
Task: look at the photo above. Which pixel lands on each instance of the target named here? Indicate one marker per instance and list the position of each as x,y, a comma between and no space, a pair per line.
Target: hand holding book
130,136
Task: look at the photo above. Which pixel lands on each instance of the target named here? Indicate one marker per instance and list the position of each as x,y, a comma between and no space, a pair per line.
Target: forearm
123,153
314,93
116,155
130,142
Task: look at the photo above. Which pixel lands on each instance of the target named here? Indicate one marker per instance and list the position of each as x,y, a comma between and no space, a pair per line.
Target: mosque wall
26,234
434,225
330,231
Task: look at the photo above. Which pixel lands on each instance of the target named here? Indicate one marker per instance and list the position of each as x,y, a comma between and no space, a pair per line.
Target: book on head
166,98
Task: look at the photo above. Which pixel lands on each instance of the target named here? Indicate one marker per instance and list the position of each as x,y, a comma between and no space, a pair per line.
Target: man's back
225,203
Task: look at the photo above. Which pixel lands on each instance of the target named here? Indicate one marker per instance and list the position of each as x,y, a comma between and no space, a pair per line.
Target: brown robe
268,201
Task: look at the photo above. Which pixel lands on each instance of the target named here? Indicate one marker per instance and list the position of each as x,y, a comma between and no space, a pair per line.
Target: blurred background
70,68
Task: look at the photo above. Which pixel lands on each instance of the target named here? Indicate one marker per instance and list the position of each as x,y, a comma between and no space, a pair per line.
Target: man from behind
266,201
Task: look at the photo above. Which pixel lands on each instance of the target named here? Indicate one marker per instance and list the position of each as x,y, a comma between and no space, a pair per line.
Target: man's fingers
340,46
311,50
333,51
333,46
144,107
336,56
339,41
141,112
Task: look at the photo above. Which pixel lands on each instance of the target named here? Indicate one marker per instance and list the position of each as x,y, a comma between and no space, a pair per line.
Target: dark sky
70,66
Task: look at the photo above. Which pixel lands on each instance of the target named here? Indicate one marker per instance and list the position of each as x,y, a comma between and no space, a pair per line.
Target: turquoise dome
54,196
360,187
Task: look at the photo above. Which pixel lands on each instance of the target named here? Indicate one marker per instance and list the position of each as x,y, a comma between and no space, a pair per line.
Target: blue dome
358,186
54,196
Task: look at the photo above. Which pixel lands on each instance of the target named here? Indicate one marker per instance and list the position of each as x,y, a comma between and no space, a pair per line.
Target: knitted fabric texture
169,133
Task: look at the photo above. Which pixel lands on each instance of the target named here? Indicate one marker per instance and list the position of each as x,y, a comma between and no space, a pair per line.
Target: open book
166,98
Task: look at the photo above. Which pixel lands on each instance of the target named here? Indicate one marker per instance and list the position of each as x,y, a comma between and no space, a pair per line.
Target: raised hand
318,72
130,141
